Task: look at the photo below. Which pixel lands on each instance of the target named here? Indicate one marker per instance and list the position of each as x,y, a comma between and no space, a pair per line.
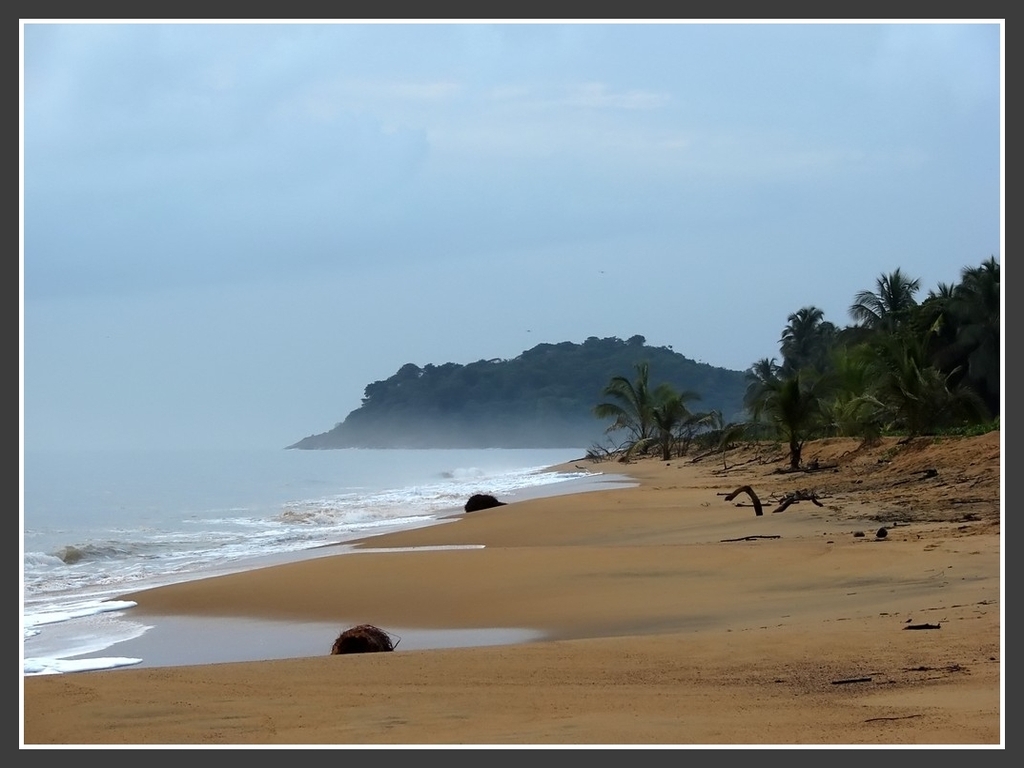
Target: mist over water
97,525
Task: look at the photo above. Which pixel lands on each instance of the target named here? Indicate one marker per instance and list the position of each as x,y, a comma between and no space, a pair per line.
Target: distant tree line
902,367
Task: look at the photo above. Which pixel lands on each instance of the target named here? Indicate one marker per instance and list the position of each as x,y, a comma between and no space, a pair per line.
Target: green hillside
542,398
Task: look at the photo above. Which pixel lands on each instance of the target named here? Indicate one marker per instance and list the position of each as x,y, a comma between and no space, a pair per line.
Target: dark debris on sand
364,638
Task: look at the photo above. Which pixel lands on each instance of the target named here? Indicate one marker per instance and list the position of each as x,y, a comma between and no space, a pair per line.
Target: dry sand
670,617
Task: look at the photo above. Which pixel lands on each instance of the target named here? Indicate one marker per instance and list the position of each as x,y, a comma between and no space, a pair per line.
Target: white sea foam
98,526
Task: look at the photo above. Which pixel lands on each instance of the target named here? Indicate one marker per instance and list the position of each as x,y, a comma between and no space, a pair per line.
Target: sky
229,229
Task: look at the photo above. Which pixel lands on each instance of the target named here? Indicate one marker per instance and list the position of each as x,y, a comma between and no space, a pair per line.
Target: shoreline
179,638
668,614
112,636
186,640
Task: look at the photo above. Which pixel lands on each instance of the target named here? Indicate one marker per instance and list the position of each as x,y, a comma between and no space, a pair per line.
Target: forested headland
545,397
902,367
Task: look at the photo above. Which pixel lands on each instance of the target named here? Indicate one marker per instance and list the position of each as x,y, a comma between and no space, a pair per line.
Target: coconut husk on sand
364,638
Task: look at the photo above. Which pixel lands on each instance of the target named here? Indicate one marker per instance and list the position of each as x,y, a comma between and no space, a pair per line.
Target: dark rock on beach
480,501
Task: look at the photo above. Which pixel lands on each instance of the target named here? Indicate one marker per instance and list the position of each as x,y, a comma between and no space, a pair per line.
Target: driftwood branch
852,680
753,497
947,668
723,470
751,538
794,497
816,466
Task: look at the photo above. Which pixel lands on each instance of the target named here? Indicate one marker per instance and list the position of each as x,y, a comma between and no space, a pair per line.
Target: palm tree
851,410
935,320
668,414
723,434
976,307
806,340
760,376
918,397
793,408
631,407
887,308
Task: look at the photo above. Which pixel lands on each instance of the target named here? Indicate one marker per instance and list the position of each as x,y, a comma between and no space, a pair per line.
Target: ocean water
98,525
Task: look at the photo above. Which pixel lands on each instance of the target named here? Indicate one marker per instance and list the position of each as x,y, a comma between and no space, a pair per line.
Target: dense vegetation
902,367
542,398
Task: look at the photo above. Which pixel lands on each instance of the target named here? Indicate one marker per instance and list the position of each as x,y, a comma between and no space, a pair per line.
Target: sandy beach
867,612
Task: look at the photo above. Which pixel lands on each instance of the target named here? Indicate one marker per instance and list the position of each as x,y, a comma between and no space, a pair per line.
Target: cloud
600,96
